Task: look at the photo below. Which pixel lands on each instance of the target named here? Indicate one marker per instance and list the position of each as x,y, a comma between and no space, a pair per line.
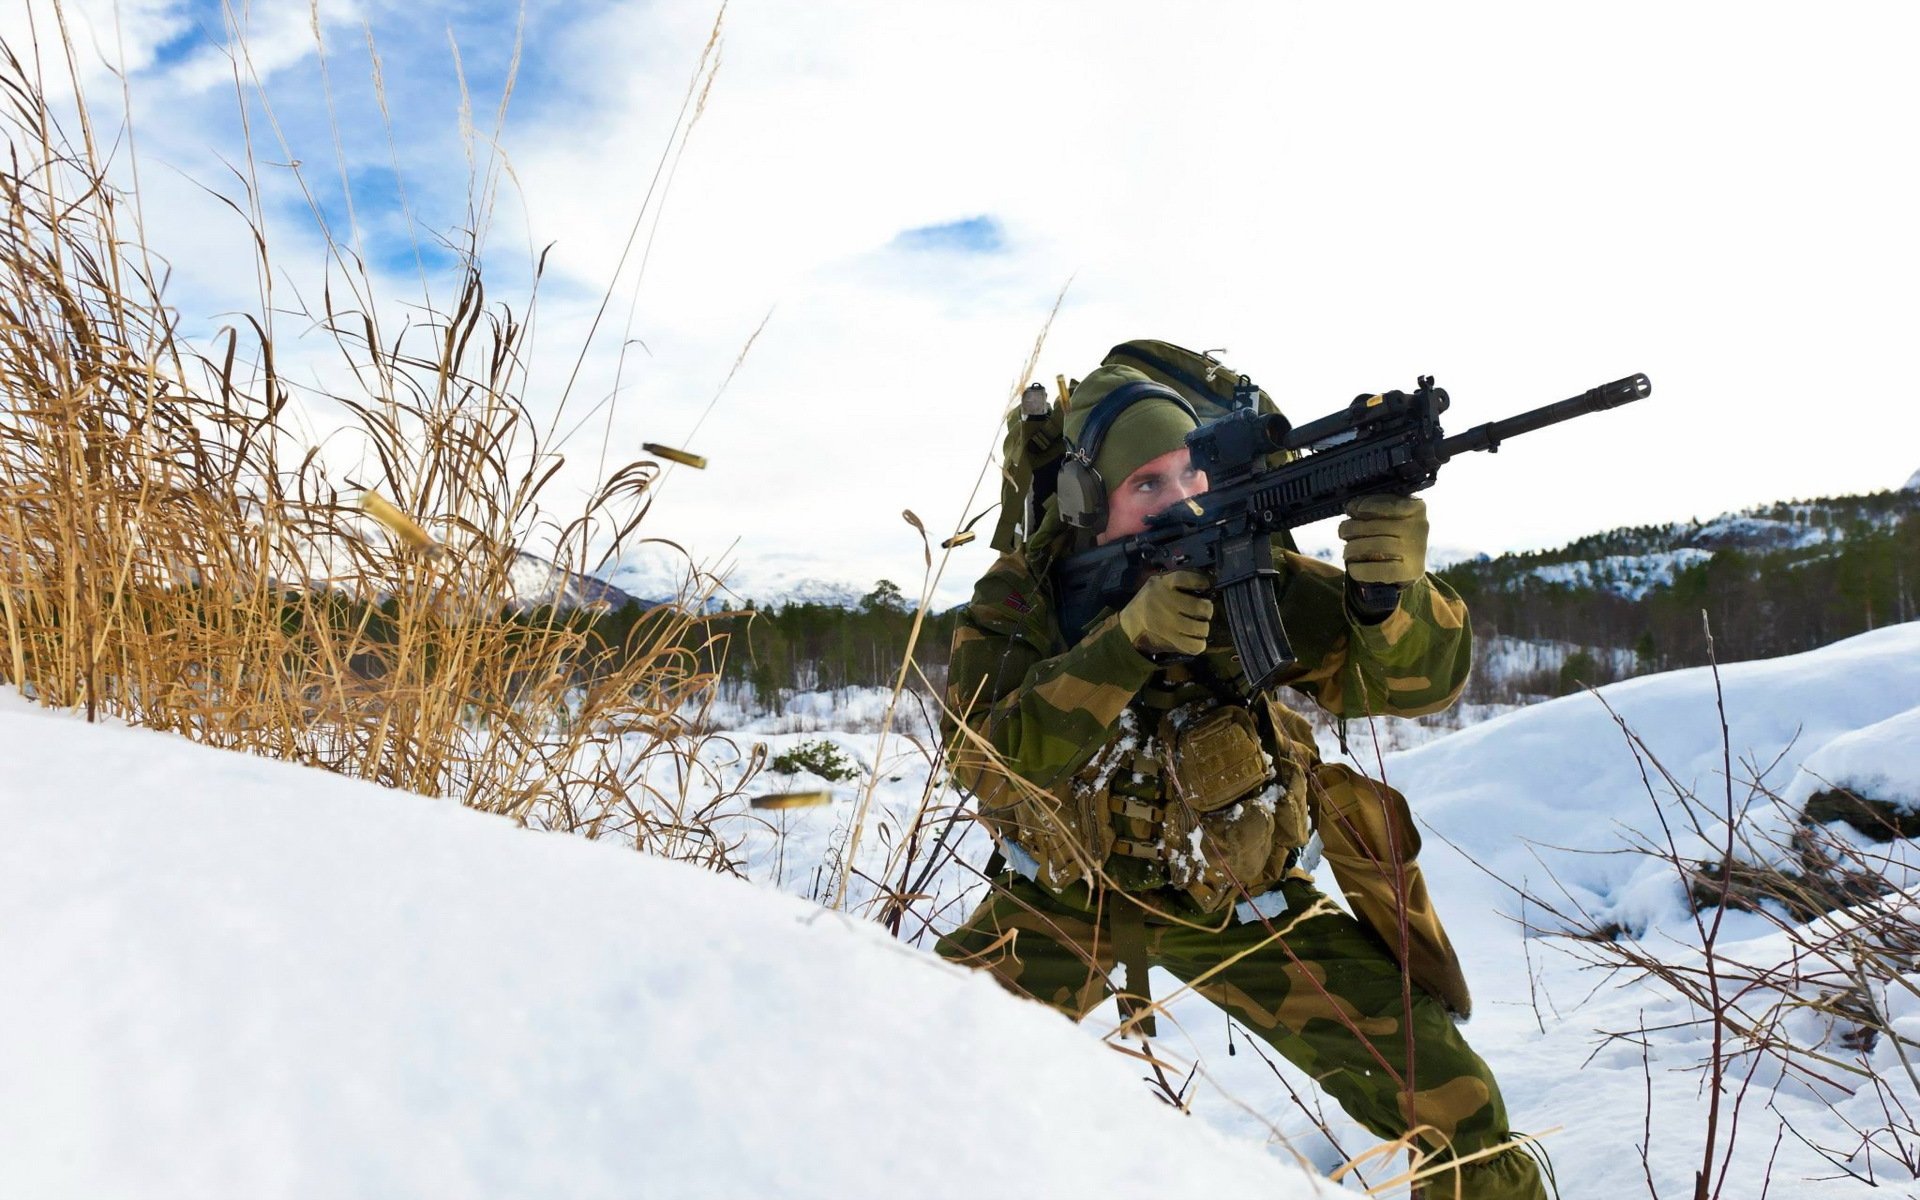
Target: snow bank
1880,762
234,977
1553,787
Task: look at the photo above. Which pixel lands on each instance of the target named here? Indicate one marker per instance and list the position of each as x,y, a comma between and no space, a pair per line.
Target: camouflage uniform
1071,753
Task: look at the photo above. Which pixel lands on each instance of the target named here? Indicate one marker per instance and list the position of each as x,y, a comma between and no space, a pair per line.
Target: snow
1537,799
249,978
1912,484
1880,762
1748,532
536,581
769,580
1563,782
1506,658
234,977
1630,576
861,709
1544,799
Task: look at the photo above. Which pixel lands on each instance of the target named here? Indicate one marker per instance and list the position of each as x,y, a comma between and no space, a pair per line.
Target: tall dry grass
176,553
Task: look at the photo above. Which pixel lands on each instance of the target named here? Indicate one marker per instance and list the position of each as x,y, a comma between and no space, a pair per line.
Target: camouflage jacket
1071,751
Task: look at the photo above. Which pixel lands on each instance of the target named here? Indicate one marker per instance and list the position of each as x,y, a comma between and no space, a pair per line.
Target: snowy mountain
657,571
1772,580
1629,576
1632,562
1912,484
535,582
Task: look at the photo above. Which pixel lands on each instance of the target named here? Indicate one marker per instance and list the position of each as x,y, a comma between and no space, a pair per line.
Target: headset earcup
1082,497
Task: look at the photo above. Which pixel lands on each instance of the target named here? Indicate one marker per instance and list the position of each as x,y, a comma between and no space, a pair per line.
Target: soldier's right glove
1169,614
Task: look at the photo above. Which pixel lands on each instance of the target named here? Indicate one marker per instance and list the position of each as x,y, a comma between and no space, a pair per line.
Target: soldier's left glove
1386,539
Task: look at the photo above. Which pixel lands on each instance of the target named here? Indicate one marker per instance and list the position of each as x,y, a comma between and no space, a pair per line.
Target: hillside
242,977
1545,806
234,977
1773,580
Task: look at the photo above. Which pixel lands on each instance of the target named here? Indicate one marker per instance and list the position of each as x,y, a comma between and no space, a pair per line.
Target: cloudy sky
1521,199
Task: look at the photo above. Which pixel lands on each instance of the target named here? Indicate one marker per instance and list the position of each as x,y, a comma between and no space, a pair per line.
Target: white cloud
1523,200
103,35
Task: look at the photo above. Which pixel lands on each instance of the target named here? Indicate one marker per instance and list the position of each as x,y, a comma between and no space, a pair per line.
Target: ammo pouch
1204,807
1371,844
1218,835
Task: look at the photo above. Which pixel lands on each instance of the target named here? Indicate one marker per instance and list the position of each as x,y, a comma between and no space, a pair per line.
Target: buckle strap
1133,808
1152,851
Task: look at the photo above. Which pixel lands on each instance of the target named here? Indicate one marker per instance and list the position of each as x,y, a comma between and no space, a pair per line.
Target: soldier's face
1161,482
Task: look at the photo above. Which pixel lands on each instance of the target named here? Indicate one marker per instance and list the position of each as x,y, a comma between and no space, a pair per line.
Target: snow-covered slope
1545,797
1547,787
1878,763
1548,798
225,976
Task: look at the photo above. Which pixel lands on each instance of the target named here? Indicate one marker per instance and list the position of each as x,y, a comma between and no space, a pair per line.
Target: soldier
1152,811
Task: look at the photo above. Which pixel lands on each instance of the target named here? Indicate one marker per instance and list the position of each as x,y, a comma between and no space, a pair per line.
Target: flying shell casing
812,799
697,462
400,524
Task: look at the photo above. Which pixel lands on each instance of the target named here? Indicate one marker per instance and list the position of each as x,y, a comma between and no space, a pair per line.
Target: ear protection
1081,491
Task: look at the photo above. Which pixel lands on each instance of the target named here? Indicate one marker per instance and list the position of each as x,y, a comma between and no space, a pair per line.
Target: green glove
1386,539
1169,614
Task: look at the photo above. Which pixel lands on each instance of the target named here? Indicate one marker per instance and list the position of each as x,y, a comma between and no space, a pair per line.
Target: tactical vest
1203,790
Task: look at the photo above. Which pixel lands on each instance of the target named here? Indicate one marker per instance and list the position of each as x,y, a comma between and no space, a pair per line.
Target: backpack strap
1029,464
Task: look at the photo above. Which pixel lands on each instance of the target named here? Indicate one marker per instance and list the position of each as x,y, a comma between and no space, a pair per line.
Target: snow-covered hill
1548,800
230,976
1634,561
225,976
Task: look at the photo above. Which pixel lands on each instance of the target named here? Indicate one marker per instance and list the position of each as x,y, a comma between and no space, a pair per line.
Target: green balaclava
1143,432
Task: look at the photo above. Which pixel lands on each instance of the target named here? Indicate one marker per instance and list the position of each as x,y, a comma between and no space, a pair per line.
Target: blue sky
1522,200
970,235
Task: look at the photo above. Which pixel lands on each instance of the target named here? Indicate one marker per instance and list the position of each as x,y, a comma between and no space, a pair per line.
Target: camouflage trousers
1327,995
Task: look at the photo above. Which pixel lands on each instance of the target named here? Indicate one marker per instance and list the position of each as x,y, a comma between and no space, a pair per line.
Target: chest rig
1204,787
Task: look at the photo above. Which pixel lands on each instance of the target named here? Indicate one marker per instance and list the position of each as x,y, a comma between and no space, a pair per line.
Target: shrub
821,757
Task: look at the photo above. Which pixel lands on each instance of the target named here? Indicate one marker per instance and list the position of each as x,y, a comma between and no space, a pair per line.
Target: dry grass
175,553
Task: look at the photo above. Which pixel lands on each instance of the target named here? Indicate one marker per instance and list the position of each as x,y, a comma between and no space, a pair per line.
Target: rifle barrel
1490,435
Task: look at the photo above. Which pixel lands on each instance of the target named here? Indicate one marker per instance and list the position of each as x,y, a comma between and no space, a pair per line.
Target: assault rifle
1378,444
